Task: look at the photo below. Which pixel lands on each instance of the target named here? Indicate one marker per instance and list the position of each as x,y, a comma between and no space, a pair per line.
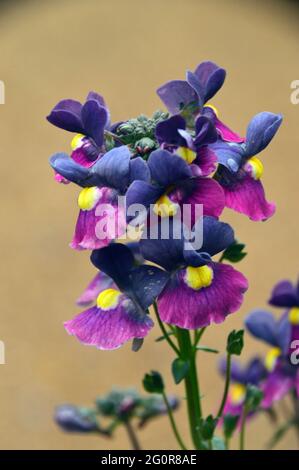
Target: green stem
132,435
165,334
173,423
243,426
191,385
198,335
226,387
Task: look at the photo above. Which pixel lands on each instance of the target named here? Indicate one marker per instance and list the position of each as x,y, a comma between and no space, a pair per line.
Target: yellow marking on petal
88,197
196,278
213,108
271,358
108,299
237,393
294,316
186,154
76,141
257,168
164,207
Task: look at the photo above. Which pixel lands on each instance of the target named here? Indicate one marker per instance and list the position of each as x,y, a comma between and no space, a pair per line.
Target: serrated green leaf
234,253
179,369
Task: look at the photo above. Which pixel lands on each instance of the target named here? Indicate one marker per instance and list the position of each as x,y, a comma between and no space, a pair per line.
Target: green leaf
253,397
234,253
229,424
207,427
162,338
204,348
179,369
137,344
218,443
235,342
153,382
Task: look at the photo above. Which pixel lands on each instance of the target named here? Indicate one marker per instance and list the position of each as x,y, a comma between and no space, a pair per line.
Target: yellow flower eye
213,108
294,316
164,207
237,393
88,198
271,358
186,154
256,167
76,141
196,278
108,299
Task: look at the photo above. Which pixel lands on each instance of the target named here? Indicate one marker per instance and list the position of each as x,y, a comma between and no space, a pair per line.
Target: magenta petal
275,387
206,161
99,283
109,329
79,156
247,196
88,234
187,308
226,133
205,191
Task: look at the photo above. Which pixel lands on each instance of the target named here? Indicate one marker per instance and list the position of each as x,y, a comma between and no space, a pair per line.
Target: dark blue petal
92,95
285,295
262,325
237,372
167,131
211,78
139,170
167,169
228,154
261,131
115,260
197,87
167,248
193,258
217,236
113,169
71,419
206,132
146,283
177,94
94,117
142,193
284,333
254,372
67,115
72,171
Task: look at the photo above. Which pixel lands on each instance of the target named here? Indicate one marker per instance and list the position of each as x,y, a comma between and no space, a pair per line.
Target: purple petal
185,307
92,95
284,294
206,160
167,169
177,94
67,115
99,283
109,329
211,77
94,118
79,156
226,133
247,196
167,131
261,131
275,387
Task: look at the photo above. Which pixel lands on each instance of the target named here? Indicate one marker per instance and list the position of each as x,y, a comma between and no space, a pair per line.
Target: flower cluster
277,374
118,407
184,157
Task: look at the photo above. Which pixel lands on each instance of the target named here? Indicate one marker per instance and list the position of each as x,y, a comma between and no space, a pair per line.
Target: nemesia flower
98,201
241,376
171,133
88,121
240,171
283,376
199,291
188,97
101,281
120,313
173,186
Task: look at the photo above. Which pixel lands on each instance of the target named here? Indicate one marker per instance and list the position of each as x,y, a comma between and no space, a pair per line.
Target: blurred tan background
123,49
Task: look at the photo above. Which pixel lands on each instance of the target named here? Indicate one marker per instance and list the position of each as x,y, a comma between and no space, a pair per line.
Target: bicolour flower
120,313
240,171
286,295
172,186
172,134
283,376
101,217
188,97
88,121
101,281
199,291
241,376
